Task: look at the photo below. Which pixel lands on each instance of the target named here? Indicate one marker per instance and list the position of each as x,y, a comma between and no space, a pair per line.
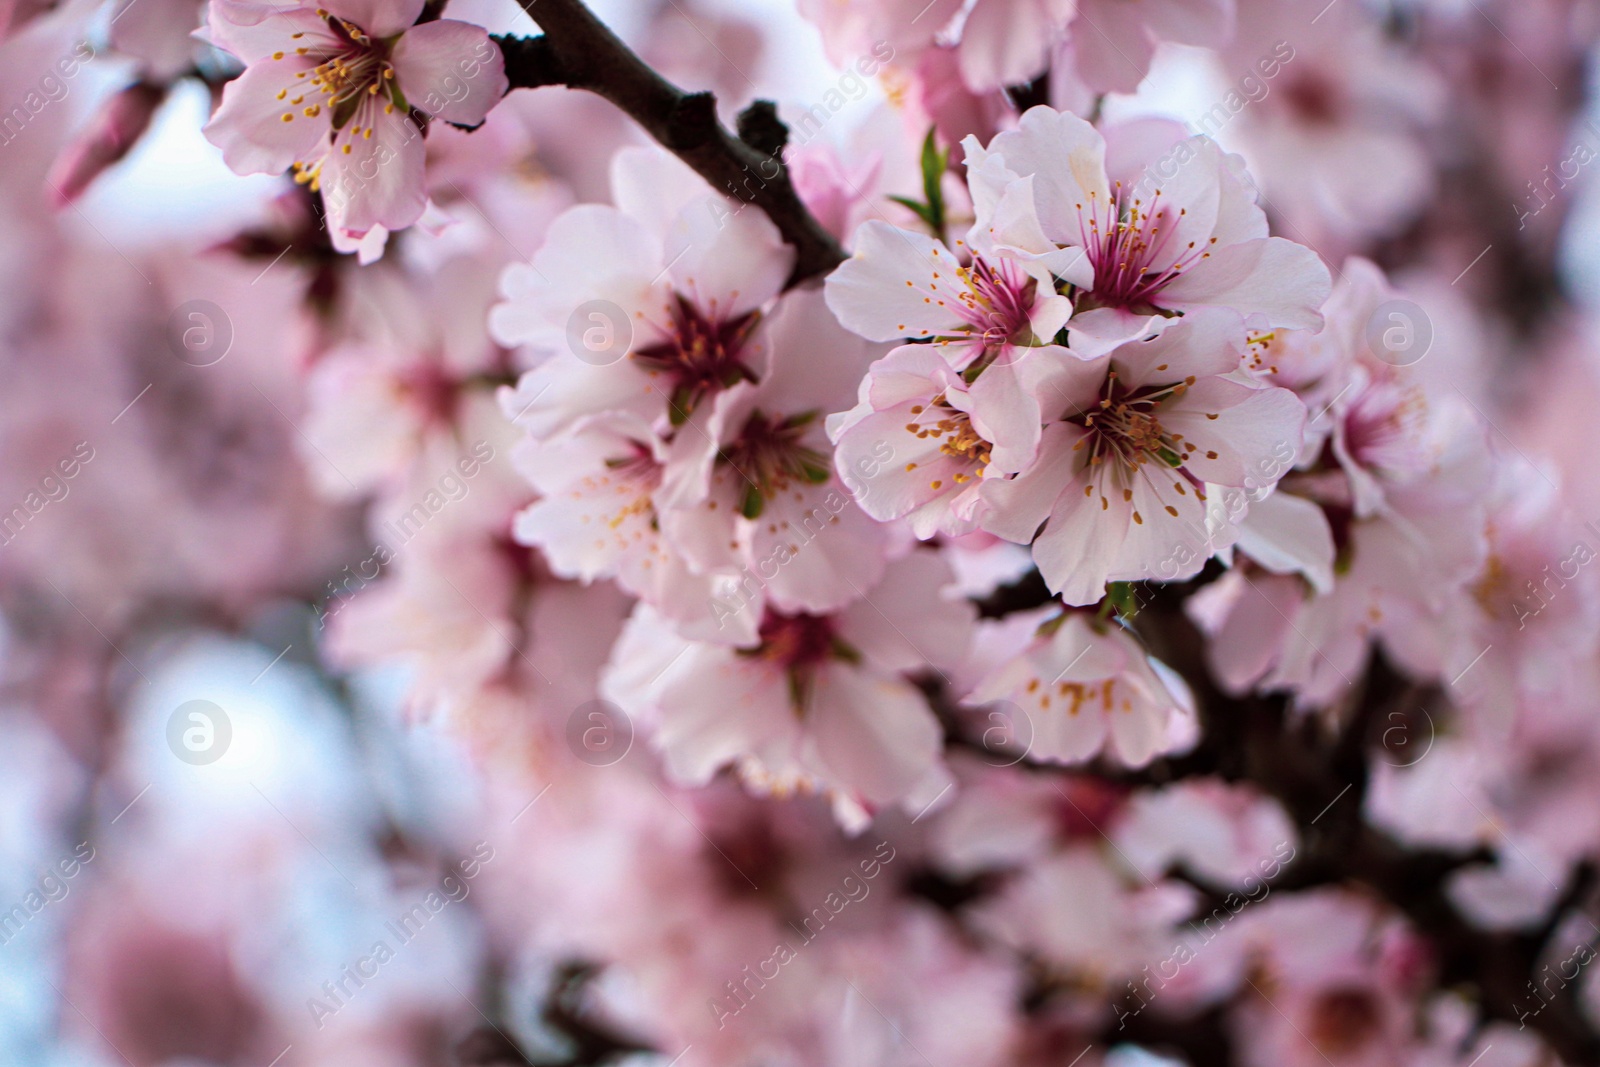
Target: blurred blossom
1077,550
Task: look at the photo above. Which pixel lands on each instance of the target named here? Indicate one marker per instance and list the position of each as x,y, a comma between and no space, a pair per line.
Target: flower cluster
1075,553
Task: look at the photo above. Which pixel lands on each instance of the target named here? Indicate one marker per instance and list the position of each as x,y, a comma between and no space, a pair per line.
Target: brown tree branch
578,50
1321,779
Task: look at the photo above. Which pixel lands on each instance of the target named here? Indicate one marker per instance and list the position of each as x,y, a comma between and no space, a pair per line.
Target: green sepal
1123,598
751,504
345,110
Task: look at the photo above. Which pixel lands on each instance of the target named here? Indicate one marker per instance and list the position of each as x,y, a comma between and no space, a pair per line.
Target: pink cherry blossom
905,284
1074,596
598,517
1125,465
329,91
912,445
688,275
1164,223
818,705
1085,687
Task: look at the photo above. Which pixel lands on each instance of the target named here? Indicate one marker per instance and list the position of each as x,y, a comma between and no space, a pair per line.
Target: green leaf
921,209
934,164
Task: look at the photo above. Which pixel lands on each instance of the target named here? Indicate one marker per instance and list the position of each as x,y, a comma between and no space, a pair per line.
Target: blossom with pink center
1336,982
922,439
651,307
331,90
915,444
407,392
758,454
820,704
902,284
990,320
1402,579
1165,223
1384,516
1122,473
598,517
1085,687
1386,424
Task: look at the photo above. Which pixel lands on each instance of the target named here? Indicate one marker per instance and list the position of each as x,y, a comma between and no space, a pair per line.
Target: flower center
770,457
795,641
361,65
996,301
1124,433
952,428
798,645
624,491
1125,426
1343,1020
1131,245
1386,428
354,66
353,71
1076,696
700,354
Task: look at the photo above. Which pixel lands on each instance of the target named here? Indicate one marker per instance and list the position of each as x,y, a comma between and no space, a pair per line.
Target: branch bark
1321,780
577,50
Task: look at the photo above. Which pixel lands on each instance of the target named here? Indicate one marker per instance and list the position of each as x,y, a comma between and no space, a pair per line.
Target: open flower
653,306
920,441
990,319
1122,475
330,90
598,518
1085,687
1168,223
759,451
820,704
901,284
